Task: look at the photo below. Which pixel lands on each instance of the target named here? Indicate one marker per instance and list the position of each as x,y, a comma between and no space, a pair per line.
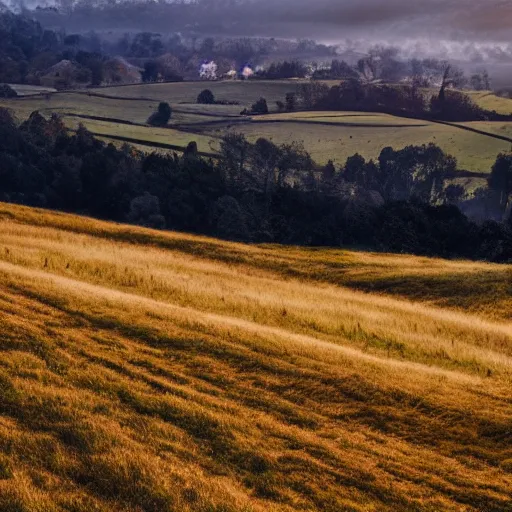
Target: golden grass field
153,371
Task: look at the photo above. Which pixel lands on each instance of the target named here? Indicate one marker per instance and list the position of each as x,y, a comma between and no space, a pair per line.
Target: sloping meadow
150,371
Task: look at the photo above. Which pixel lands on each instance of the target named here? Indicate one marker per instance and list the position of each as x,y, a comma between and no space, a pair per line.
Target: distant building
119,71
65,75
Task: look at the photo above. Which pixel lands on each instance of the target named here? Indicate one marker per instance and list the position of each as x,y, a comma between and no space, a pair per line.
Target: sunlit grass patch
154,371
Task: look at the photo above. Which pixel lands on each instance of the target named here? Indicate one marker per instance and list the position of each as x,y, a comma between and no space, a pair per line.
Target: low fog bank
475,34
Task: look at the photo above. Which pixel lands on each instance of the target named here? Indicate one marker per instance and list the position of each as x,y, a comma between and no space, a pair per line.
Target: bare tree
452,77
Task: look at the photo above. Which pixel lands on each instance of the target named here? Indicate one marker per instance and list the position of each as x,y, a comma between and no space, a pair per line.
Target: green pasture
141,134
474,152
27,90
352,118
326,135
489,101
82,104
134,111
244,92
494,127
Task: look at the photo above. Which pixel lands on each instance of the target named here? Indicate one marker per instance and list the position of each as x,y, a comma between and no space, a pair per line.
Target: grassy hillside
342,118
144,133
339,137
244,92
489,101
326,135
149,371
136,111
28,90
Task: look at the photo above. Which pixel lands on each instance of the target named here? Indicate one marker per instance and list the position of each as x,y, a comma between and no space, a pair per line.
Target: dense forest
258,192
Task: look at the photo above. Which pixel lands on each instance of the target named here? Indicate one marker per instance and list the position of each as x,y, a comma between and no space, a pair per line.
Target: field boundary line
328,123
183,128
141,142
476,130
437,121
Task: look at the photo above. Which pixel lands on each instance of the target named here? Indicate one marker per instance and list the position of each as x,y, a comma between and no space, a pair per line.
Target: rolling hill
490,101
245,92
122,113
153,371
339,135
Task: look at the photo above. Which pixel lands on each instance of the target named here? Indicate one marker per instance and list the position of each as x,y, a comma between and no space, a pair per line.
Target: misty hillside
475,34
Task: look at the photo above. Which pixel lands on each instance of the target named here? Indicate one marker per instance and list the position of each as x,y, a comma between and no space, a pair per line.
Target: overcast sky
476,20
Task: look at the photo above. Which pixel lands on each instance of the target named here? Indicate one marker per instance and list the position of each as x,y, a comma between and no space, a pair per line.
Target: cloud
480,20
452,19
475,33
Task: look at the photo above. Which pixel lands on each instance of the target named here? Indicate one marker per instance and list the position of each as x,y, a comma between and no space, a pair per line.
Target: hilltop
157,371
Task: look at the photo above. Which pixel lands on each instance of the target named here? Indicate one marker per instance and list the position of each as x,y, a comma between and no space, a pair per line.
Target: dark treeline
258,192
28,53
400,100
283,70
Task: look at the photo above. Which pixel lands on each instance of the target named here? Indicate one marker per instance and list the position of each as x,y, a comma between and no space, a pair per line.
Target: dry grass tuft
146,371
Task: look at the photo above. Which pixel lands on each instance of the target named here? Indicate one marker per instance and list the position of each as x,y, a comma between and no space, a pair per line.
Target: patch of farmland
489,101
474,152
141,134
27,90
245,93
355,118
494,127
134,111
